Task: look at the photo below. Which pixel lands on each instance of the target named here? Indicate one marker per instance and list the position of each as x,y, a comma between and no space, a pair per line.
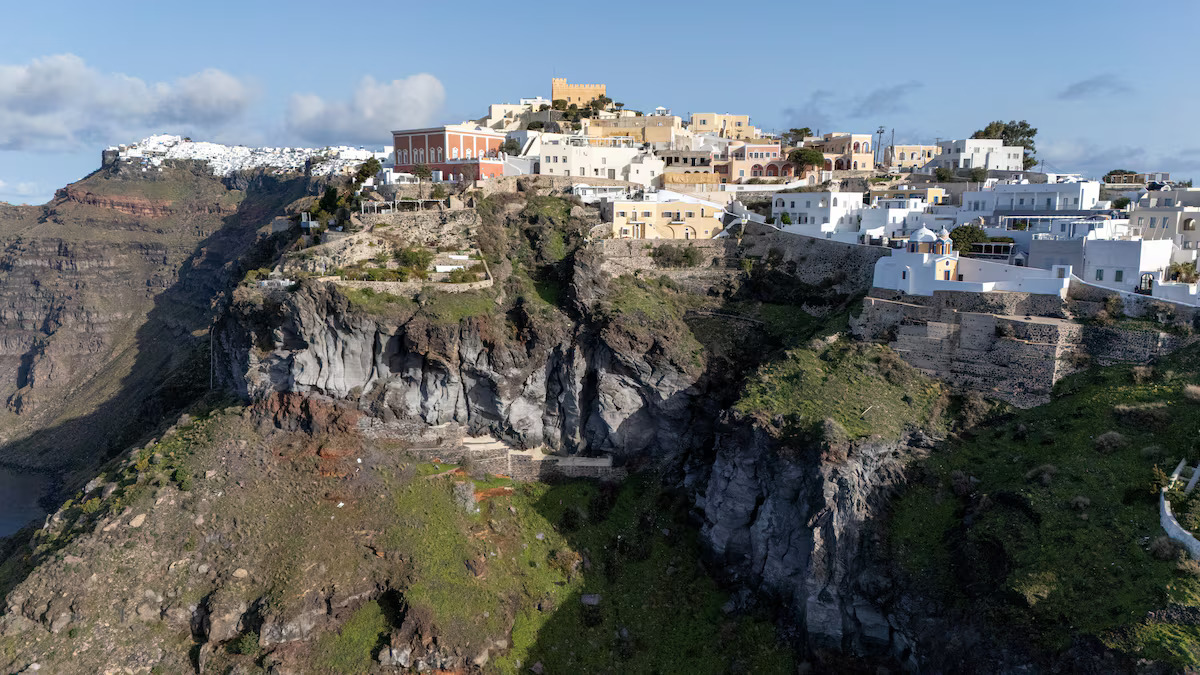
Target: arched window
453,153
835,201
439,154
778,202
856,166
468,153
856,147
902,155
866,147
1189,225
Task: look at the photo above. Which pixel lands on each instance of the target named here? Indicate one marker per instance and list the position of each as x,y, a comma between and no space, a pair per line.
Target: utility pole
878,155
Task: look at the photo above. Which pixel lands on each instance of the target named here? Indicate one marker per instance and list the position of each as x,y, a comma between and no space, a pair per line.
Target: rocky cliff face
105,294
799,525
564,387
791,523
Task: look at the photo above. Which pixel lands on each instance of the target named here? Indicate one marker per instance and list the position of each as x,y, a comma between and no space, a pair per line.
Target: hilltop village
574,387
968,214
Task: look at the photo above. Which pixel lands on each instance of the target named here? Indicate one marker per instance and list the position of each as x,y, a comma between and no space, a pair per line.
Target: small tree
786,218
965,235
559,104
511,146
1121,203
367,169
535,125
979,174
943,174
806,158
544,108
423,173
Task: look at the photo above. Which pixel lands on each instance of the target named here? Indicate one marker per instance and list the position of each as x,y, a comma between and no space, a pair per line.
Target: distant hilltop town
227,159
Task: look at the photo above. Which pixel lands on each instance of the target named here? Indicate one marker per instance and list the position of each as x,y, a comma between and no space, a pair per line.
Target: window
1022,201
1141,220
646,214
1099,275
904,275
739,124
1152,222
1049,202
691,214
1119,276
620,214
792,205
703,122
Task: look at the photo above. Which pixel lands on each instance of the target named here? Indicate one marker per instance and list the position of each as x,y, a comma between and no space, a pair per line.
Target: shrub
414,257
1189,567
960,483
1115,306
1079,502
1110,441
1142,374
1191,392
672,255
463,276
1142,414
246,643
786,218
1044,473
1164,549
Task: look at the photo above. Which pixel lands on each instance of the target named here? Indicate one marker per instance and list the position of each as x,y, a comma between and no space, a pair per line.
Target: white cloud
59,103
22,189
375,109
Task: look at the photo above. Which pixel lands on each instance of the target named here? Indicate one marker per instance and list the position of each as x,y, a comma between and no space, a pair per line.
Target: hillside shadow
171,362
643,602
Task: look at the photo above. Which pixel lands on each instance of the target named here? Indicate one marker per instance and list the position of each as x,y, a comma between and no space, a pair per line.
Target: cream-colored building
579,94
909,157
930,195
613,158
662,129
845,152
664,220
725,126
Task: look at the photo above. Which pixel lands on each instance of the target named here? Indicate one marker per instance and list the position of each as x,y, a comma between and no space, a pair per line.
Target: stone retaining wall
410,287
1009,357
1009,303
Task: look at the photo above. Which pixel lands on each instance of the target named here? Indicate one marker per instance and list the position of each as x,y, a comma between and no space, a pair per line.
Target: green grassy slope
1043,522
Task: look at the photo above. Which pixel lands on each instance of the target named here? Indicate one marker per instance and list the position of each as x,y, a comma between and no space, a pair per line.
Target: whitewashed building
928,263
978,153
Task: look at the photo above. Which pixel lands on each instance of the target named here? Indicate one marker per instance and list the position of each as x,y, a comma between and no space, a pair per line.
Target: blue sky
1093,76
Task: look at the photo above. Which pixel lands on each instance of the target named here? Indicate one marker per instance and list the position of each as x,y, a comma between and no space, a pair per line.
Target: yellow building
909,157
931,195
579,94
665,220
642,129
725,126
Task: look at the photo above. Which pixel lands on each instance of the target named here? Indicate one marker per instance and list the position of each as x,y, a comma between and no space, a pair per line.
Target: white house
614,158
1168,214
928,263
818,208
975,153
1029,198
1126,264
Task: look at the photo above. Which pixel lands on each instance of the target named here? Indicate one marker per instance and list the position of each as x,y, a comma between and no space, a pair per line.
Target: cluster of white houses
683,179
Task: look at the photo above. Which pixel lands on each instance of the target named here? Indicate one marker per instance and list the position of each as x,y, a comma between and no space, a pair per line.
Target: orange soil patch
493,492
